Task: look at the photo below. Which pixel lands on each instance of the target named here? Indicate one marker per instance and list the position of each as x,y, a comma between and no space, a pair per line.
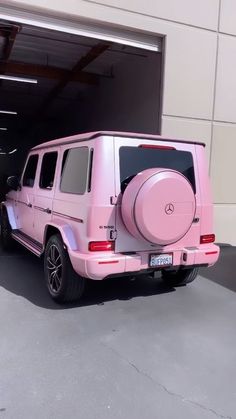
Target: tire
6,239
63,283
180,277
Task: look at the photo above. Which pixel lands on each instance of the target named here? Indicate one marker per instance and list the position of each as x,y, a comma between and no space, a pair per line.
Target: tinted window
30,171
74,170
48,170
136,159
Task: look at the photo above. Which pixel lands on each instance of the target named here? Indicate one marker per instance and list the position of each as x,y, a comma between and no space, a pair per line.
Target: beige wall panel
228,17
189,72
225,224
225,109
202,13
223,163
188,129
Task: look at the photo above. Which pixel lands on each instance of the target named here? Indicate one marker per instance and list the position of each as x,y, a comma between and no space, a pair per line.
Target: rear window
75,170
136,159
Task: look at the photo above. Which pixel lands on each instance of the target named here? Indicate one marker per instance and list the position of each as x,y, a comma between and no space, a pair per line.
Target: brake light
207,238
101,246
160,147
108,262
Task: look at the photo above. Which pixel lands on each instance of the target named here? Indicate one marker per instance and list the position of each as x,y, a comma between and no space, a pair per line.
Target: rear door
132,156
44,192
72,189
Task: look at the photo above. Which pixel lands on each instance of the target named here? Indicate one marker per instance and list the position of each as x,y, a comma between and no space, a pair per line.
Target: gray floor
131,350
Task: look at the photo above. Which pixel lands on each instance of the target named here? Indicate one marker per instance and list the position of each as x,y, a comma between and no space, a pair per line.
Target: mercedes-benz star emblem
169,209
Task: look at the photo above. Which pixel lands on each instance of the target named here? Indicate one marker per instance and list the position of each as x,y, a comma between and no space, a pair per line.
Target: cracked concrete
171,393
135,350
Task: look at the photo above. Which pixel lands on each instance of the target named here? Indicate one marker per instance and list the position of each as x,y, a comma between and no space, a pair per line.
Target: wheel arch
65,232
5,206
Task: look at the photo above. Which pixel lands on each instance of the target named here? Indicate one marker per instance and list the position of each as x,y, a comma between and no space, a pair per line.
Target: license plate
161,260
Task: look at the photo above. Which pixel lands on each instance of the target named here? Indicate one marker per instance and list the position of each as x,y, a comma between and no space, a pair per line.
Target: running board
30,244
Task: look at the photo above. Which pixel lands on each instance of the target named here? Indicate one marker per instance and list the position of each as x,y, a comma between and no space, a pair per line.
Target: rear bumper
100,265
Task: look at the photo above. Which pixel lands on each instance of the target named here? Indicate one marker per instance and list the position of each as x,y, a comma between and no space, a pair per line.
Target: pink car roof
91,135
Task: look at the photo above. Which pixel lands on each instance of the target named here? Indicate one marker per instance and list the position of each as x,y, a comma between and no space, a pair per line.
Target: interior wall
127,101
130,101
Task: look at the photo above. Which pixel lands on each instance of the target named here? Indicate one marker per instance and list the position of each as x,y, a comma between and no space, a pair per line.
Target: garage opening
55,84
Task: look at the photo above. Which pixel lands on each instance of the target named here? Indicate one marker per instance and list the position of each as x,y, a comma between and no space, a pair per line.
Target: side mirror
13,183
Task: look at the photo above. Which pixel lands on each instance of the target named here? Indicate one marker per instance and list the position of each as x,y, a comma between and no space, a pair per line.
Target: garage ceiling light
9,112
3,129
13,151
5,153
20,79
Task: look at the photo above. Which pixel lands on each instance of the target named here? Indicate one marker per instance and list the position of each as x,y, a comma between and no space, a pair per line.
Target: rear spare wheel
158,206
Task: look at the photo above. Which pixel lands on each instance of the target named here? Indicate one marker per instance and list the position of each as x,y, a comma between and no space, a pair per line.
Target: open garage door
148,42
58,78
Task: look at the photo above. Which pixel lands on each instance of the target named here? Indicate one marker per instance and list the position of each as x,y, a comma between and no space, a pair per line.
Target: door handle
47,210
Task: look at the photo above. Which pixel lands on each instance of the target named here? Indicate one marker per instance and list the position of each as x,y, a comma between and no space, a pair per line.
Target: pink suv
112,204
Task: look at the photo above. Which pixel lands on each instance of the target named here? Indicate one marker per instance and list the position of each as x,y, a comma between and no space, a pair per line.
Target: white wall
199,85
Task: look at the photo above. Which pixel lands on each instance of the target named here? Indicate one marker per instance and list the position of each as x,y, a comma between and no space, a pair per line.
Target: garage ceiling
66,66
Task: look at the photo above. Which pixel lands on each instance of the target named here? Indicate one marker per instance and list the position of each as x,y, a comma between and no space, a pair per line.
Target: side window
30,171
48,169
75,170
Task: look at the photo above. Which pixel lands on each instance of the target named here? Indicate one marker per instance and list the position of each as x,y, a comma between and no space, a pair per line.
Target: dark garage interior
78,84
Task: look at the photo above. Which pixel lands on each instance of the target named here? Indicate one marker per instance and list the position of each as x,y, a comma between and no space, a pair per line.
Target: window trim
90,170
26,165
40,174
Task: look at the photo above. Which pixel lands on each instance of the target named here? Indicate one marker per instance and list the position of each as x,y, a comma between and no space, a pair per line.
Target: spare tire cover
158,205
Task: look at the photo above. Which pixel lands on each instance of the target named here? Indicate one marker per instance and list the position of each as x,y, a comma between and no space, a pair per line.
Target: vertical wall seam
162,84
215,82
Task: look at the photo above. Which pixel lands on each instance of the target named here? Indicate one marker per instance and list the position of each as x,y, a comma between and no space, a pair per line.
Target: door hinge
113,234
113,200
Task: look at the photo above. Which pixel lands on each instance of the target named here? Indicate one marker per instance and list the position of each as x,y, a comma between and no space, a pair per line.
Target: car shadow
21,273
223,272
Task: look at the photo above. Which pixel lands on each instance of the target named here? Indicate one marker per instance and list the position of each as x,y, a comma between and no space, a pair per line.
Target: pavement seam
160,385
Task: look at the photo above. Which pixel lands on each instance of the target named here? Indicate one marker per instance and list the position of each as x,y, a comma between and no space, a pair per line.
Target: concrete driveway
131,350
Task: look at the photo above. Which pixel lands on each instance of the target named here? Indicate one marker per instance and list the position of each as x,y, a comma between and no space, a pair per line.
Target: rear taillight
101,246
207,238
160,147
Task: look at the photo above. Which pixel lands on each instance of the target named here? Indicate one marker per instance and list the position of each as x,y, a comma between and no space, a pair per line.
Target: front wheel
63,283
180,277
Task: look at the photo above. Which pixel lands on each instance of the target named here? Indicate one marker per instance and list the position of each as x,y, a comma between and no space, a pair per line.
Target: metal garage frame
137,40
